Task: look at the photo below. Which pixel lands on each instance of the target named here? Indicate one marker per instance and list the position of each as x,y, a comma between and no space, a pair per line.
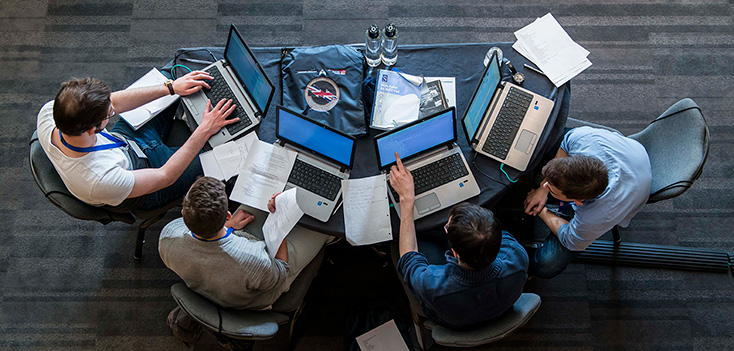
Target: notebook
428,150
505,121
325,157
238,77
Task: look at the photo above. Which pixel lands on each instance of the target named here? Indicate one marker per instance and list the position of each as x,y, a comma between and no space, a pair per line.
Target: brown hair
81,104
205,207
578,177
474,234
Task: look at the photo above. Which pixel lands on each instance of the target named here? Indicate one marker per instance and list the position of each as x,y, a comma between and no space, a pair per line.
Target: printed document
366,210
264,173
384,337
145,113
279,223
227,160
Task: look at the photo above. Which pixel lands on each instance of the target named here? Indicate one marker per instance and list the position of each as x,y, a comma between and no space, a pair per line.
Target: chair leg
615,235
292,327
141,235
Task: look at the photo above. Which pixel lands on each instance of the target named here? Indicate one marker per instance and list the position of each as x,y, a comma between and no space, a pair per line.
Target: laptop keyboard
315,180
221,90
507,123
436,174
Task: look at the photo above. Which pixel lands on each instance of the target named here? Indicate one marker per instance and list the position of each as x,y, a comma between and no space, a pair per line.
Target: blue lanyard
115,144
229,231
563,206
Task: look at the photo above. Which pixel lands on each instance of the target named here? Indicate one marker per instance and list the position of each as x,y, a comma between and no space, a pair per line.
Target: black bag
325,84
373,315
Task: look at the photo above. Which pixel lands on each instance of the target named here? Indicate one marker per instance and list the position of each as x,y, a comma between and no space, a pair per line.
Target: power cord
474,162
174,66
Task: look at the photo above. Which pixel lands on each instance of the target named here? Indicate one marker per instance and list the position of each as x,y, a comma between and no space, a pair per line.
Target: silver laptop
428,150
238,77
505,121
325,157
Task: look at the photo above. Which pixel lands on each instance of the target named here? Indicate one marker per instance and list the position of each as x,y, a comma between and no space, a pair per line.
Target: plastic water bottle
390,45
372,46
488,56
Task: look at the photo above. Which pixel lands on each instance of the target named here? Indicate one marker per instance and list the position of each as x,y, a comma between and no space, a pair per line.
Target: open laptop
238,77
325,157
505,121
428,150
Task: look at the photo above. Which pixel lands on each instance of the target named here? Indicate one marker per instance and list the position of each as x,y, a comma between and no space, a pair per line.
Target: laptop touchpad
427,203
525,141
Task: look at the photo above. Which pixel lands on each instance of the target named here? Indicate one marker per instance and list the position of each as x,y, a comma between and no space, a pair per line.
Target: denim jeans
150,138
551,259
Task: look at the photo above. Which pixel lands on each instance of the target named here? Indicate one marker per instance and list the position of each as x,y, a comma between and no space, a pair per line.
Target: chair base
655,256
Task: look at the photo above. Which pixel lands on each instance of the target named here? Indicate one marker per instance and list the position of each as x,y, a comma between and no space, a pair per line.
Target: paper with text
366,210
385,337
279,223
264,173
141,115
227,160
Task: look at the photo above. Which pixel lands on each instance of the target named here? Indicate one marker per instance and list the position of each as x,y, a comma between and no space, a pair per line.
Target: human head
81,104
205,207
474,235
578,177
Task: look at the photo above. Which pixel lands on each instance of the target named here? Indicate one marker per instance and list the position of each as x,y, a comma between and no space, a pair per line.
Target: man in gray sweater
223,257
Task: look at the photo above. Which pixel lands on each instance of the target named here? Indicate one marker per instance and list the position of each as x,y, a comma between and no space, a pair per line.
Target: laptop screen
479,103
298,129
416,137
248,71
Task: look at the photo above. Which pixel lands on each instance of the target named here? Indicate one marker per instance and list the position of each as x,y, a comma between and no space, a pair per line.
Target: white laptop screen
480,101
416,137
300,130
249,72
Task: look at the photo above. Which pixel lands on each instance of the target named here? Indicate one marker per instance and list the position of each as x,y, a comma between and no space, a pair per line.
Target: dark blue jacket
458,298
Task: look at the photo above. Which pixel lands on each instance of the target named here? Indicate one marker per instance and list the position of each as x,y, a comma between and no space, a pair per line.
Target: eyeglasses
113,111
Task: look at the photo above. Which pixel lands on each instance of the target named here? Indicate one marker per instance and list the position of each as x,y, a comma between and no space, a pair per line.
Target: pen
196,61
533,69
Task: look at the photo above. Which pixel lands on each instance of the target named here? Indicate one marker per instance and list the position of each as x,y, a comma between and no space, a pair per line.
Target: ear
229,215
578,202
182,212
455,254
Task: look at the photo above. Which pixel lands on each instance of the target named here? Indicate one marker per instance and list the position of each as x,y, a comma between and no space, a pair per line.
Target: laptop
325,157
238,77
505,121
428,150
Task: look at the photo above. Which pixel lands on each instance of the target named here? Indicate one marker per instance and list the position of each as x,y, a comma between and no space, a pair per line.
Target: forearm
552,221
282,253
129,99
407,241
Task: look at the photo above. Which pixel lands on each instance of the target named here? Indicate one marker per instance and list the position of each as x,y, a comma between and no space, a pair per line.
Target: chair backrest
50,183
678,145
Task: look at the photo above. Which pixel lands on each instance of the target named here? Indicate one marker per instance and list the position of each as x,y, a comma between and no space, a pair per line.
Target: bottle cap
374,31
390,30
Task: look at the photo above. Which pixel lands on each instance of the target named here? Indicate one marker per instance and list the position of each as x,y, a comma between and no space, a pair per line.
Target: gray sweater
235,271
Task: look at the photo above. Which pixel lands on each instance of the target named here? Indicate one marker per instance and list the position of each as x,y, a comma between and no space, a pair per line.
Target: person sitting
223,257
481,276
127,169
604,177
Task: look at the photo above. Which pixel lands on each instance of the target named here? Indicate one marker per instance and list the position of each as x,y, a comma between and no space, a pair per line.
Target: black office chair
50,183
240,329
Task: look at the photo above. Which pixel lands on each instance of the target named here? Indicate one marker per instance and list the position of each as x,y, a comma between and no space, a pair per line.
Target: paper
397,99
264,173
279,223
228,159
546,43
383,338
145,113
366,210
449,88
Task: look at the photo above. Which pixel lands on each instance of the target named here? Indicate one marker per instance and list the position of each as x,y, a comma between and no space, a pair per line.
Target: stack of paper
546,44
227,160
145,113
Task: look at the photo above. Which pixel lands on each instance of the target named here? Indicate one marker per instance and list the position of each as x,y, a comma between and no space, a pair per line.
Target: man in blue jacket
478,279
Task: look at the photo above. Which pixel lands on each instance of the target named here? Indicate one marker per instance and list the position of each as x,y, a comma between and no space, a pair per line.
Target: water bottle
372,46
390,45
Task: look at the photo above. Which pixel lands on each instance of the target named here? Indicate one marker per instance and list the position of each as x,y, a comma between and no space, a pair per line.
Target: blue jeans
551,259
150,137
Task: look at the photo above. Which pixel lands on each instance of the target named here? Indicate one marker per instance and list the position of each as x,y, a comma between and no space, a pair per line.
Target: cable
174,66
473,161
502,165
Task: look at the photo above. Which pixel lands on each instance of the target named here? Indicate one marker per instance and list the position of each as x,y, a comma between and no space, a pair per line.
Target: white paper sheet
279,223
228,159
145,113
383,338
449,88
366,210
264,173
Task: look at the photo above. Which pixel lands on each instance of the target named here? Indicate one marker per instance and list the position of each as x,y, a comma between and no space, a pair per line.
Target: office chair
240,329
50,183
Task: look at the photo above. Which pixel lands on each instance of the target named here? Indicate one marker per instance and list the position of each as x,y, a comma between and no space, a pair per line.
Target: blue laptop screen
247,70
417,138
481,99
312,136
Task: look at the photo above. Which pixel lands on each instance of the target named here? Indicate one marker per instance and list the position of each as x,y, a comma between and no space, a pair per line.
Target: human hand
535,200
191,83
402,181
240,219
215,118
271,202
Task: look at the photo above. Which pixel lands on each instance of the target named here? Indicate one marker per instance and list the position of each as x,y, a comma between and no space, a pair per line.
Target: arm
402,181
129,99
536,198
552,221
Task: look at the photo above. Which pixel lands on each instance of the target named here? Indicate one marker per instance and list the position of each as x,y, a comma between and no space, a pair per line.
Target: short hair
578,177
474,234
81,104
205,207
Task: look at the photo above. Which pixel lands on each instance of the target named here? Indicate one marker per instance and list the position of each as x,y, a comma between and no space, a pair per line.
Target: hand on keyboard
215,118
191,83
402,181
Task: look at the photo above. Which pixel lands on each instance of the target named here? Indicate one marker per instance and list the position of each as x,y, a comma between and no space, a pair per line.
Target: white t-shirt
97,178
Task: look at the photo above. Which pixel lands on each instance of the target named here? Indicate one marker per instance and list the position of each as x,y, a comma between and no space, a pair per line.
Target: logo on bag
321,94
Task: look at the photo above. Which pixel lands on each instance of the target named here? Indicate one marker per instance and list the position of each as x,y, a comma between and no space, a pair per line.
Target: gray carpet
66,284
